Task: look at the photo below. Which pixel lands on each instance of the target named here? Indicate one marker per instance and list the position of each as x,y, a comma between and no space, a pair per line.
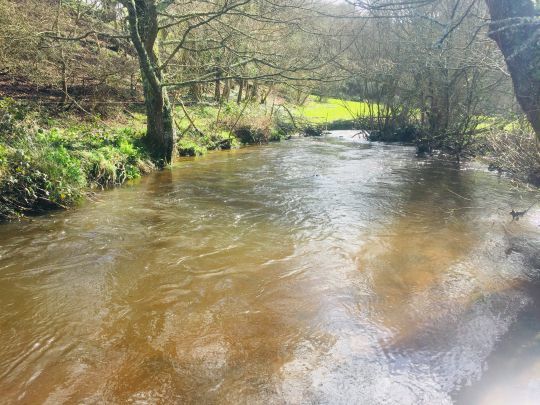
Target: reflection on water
313,271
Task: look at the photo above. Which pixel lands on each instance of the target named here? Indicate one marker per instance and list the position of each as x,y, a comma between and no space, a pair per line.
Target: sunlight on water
323,270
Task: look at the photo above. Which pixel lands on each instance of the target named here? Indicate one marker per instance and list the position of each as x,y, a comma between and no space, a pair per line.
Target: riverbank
508,146
49,163
53,161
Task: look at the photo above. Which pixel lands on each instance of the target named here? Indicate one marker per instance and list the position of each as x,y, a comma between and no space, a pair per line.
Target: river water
319,270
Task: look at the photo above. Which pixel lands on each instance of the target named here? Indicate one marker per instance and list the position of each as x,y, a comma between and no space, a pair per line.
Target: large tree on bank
143,30
233,40
515,28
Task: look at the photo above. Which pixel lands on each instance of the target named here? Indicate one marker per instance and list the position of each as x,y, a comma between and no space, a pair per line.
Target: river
318,270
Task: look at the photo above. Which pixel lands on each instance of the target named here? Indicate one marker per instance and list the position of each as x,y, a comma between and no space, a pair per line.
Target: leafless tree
513,24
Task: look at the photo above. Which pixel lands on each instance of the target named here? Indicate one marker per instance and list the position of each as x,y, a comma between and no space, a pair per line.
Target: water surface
322,270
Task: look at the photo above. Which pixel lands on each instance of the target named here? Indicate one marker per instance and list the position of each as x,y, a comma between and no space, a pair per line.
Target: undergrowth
44,167
52,162
515,151
230,125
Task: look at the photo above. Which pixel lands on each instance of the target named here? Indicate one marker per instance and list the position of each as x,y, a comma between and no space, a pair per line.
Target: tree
143,30
421,88
248,41
515,28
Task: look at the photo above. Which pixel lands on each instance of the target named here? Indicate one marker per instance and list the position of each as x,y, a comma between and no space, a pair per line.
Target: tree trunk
240,91
516,40
63,65
143,26
267,93
195,91
226,91
254,91
217,89
160,132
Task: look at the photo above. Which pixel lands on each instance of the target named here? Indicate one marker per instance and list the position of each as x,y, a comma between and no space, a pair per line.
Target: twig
460,196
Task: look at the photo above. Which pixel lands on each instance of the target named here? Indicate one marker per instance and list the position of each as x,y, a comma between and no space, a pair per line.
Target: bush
516,152
253,129
312,130
44,168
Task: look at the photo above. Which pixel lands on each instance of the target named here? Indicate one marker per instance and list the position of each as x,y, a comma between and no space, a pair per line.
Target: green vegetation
44,165
216,127
48,163
333,109
512,148
114,96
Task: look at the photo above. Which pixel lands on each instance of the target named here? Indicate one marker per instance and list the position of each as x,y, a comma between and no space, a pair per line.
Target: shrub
516,152
44,168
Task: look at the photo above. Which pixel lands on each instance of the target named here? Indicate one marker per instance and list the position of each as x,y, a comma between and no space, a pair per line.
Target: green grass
332,110
43,167
507,125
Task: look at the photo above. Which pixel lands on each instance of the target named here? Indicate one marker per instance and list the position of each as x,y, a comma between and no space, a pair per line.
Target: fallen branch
189,119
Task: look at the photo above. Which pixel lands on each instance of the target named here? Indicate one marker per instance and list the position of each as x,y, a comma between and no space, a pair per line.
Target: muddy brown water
326,271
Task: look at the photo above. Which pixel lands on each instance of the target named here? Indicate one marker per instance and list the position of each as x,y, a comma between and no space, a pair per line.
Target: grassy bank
332,110
52,162
209,127
48,163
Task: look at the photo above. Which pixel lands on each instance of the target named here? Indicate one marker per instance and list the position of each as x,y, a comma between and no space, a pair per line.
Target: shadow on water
429,231
442,287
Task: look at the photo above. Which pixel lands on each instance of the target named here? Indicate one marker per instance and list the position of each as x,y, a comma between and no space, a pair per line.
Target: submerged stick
516,215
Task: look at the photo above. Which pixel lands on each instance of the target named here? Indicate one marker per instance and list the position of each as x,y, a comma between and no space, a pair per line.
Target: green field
332,109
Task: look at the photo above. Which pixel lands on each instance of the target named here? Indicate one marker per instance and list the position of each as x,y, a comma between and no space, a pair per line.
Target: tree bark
226,91
254,91
516,40
240,91
143,26
217,90
267,93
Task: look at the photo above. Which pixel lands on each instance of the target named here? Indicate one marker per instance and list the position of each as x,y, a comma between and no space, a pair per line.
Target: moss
196,144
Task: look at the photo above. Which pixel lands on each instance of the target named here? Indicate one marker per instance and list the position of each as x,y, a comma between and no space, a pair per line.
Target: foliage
225,126
188,146
43,168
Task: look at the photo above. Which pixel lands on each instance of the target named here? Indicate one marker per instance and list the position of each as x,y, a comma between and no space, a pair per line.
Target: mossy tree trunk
518,38
143,26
